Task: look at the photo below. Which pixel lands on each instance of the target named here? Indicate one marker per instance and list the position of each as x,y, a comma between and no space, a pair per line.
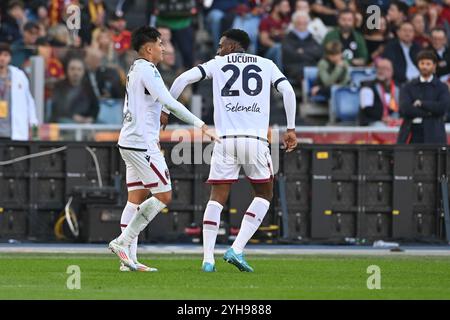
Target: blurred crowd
86,69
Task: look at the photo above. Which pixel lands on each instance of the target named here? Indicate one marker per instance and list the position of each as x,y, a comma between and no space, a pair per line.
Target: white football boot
123,254
140,267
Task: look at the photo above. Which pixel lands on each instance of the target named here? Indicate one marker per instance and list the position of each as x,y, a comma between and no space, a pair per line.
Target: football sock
145,213
250,223
211,221
128,213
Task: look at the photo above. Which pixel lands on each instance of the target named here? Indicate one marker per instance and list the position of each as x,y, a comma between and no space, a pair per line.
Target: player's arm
157,89
290,106
186,78
289,101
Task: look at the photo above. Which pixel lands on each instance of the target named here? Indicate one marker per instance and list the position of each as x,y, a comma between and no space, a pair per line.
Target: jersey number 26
246,76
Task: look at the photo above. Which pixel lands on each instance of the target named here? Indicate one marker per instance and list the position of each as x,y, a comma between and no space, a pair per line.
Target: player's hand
290,140
164,119
210,133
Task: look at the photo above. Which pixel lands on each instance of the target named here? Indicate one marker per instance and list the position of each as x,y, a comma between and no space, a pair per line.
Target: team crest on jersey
157,75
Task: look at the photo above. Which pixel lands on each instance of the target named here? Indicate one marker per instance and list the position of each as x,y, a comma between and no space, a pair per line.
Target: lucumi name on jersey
241,92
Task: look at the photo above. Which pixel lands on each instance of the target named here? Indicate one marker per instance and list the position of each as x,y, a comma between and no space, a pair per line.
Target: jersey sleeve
207,69
277,76
155,85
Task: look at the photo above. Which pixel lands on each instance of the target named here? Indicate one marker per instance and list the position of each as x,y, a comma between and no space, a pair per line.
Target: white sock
211,222
128,213
145,213
250,223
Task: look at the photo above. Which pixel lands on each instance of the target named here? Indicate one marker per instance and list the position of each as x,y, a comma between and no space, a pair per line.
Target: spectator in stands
73,99
299,48
397,14
102,40
402,52
379,99
180,23
333,70
17,107
16,10
59,36
39,13
327,10
56,11
217,11
272,31
353,44
167,67
120,36
420,35
376,39
104,80
248,18
444,16
439,44
316,26
11,22
93,16
26,47
428,10
424,104
169,71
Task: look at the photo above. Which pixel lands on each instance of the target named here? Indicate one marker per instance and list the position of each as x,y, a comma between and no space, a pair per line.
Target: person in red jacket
121,37
445,13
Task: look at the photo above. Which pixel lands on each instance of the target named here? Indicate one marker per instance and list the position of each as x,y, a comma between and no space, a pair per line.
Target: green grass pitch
43,276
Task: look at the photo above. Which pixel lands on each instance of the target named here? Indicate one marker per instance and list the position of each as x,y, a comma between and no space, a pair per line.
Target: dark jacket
443,67
375,112
394,52
68,101
293,61
435,99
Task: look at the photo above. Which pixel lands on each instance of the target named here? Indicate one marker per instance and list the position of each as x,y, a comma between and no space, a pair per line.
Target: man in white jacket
17,107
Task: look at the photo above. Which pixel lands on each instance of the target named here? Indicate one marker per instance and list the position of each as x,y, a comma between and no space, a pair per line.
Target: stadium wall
75,192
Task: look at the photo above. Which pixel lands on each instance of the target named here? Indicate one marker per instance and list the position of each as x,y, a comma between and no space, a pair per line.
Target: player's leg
223,172
258,168
254,215
154,174
211,222
136,195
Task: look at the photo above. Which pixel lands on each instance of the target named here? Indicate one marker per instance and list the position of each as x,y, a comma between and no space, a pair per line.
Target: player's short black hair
143,35
427,55
238,35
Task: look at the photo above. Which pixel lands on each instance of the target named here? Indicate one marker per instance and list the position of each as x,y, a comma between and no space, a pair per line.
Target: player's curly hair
238,35
143,35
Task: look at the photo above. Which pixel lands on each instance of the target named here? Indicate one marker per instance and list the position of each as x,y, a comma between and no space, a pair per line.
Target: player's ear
148,48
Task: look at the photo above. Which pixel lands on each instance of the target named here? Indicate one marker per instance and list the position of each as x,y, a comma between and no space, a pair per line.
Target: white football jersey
141,110
241,92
